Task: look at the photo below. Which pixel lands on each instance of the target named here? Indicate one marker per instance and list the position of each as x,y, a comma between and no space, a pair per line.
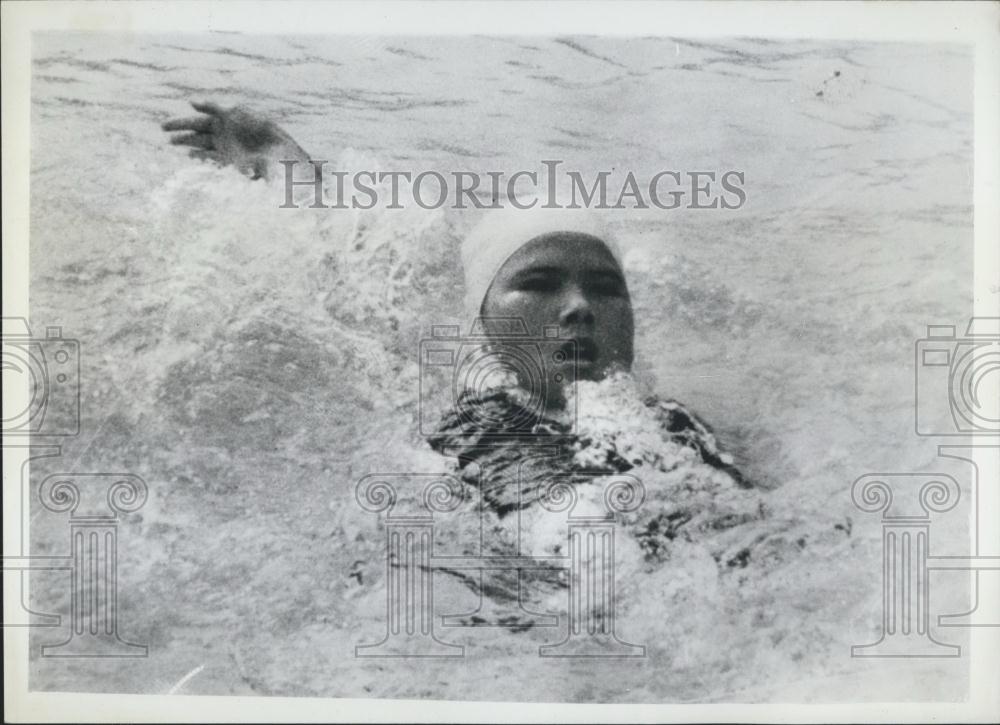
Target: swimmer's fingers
212,109
198,140
207,156
198,123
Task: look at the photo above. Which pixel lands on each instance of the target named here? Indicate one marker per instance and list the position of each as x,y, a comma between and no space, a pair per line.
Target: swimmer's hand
236,137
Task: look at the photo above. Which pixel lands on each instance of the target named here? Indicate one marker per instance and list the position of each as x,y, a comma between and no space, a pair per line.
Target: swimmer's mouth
585,350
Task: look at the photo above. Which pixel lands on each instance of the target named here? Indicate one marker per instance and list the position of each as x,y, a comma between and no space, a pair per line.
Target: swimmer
552,268
544,267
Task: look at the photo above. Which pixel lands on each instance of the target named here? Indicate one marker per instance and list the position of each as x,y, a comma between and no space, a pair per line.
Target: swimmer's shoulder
677,417
680,423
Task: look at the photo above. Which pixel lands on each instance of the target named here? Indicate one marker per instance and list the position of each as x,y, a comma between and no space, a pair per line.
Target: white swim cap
501,232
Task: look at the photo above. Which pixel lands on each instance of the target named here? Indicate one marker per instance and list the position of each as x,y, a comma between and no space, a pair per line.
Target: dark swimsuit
499,443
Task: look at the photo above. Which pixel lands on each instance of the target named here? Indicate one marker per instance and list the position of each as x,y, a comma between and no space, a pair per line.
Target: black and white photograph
514,364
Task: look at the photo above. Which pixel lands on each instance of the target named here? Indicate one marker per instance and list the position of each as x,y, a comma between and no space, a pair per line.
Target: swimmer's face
570,280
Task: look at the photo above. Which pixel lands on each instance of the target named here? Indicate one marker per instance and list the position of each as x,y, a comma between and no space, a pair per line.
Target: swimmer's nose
576,309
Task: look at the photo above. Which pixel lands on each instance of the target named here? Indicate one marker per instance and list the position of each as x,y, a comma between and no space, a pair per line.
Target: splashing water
252,363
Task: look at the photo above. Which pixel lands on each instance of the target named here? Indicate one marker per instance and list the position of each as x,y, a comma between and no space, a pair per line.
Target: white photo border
973,24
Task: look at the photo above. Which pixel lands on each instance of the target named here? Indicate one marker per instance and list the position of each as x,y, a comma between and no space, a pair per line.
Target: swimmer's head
553,267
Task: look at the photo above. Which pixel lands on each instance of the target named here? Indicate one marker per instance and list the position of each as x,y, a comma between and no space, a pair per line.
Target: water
252,363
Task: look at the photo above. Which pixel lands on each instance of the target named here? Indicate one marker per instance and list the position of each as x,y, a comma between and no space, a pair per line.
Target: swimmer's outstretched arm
237,137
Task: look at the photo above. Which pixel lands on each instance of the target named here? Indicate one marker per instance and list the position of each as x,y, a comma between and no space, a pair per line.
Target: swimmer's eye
608,285
539,283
